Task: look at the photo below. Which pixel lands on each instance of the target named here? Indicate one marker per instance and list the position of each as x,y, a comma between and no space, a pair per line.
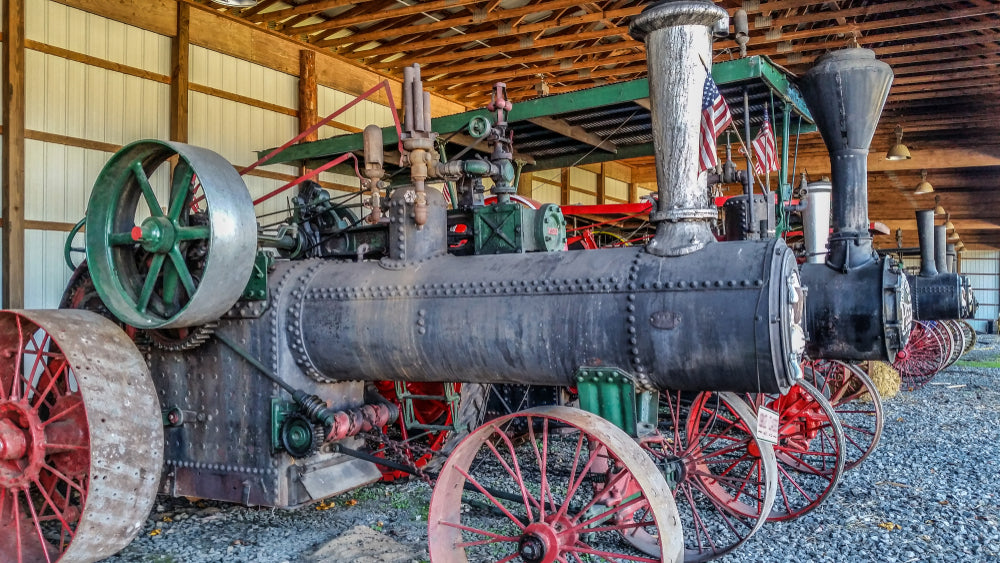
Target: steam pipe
816,220
749,183
925,234
951,258
678,38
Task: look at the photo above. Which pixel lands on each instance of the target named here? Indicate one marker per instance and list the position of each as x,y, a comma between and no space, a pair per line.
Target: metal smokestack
941,249
952,258
925,234
845,92
678,38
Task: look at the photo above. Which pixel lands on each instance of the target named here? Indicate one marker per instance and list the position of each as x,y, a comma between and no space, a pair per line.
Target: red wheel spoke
571,491
66,479
517,479
582,526
496,537
52,381
495,502
38,528
609,555
609,486
61,414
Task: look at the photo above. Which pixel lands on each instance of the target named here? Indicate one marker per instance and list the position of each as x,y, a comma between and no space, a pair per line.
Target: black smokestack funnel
925,233
941,249
845,92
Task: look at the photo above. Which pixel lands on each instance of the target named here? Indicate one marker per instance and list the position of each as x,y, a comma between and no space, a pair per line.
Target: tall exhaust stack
941,249
678,38
845,92
925,235
859,304
816,220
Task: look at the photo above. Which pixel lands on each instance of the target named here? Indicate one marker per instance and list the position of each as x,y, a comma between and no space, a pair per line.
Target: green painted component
448,124
451,397
280,410
759,67
498,229
610,393
550,227
68,248
647,404
256,289
512,228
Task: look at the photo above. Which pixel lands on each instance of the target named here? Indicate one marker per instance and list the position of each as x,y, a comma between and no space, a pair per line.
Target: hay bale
886,379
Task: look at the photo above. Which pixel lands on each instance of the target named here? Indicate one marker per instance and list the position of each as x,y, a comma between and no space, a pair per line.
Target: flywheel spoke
180,190
151,276
147,189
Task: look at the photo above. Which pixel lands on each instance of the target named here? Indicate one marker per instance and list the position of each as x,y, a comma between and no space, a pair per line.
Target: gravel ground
928,493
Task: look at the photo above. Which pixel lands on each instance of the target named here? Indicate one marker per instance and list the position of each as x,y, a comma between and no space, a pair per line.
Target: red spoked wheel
922,357
81,437
724,479
854,398
810,450
549,495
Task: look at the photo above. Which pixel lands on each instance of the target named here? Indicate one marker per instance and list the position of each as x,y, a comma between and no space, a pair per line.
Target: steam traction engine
257,390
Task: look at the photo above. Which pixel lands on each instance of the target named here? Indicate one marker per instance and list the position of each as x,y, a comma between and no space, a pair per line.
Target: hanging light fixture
899,150
924,187
953,237
938,210
947,222
960,246
237,3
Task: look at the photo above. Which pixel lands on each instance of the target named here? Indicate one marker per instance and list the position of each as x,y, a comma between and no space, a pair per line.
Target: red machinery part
426,412
809,452
80,437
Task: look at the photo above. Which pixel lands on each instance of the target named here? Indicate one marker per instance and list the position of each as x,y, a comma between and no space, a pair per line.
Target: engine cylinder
674,323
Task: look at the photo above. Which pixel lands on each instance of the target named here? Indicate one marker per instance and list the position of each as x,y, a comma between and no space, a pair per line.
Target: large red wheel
810,449
856,401
724,479
81,437
922,357
550,495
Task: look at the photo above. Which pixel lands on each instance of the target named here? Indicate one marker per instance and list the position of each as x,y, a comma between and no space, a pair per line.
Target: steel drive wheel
970,336
550,495
957,338
724,479
155,260
81,437
810,449
856,400
922,357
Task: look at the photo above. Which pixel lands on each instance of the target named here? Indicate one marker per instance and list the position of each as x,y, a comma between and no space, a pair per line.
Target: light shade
899,150
947,222
960,246
938,210
953,237
237,3
924,187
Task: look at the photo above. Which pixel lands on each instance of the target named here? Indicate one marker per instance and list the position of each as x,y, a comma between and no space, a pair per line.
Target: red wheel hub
22,444
542,542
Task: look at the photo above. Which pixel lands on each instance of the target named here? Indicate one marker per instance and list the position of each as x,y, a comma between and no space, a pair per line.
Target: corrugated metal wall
983,269
72,105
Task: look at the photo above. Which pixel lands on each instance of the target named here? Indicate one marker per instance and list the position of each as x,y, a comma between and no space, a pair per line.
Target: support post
525,184
633,192
564,185
601,186
12,204
308,108
784,188
180,75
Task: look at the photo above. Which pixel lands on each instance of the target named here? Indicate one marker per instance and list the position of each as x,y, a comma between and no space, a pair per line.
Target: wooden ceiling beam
499,63
309,8
496,16
506,48
418,8
574,132
533,71
929,159
252,10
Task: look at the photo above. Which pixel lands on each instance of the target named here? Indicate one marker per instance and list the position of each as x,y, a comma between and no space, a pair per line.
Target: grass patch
994,363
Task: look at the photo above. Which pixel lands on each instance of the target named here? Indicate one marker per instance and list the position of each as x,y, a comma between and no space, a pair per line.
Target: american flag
764,150
715,117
